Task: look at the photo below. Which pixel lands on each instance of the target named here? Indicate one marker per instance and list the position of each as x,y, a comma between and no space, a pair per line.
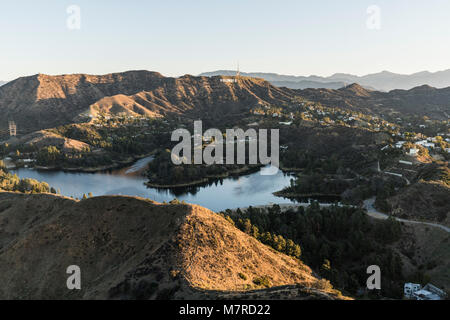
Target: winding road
368,205
374,213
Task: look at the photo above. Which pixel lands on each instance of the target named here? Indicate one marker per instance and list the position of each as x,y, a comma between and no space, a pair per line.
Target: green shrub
262,281
242,276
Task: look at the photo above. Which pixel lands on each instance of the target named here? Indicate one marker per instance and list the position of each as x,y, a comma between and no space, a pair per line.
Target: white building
428,292
400,144
425,143
410,288
413,152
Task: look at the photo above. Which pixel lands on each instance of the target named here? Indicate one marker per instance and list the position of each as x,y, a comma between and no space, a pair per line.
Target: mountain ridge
30,100
382,81
41,101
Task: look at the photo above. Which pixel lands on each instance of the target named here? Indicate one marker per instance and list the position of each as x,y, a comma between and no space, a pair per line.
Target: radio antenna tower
12,129
238,73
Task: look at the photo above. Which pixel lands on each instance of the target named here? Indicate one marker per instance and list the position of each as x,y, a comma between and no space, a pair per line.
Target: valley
101,145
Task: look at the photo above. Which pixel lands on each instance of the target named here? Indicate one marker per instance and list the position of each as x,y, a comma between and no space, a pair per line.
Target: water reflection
253,189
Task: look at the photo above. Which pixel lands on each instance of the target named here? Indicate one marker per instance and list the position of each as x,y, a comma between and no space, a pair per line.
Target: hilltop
420,101
41,101
133,248
44,138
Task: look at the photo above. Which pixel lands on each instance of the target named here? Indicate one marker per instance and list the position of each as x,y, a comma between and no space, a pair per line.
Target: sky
295,37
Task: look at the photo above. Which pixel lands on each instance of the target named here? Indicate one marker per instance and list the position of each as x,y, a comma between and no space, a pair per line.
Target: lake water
250,190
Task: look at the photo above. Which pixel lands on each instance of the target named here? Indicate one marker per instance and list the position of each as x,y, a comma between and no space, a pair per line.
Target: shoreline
303,195
114,165
181,185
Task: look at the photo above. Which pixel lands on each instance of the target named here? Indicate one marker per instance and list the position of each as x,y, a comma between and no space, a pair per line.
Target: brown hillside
425,250
45,138
424,201
356,90
131,248
428,196
42,101
423,101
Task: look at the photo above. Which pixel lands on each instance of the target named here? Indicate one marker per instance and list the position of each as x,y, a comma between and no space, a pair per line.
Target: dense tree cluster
318,184
108,142
53,156
162,171
339,242
11,182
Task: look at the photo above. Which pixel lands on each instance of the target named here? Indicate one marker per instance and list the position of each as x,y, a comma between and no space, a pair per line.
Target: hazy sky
179,37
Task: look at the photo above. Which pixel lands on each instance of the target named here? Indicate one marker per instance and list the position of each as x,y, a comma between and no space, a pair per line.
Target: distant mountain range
41,101
383,81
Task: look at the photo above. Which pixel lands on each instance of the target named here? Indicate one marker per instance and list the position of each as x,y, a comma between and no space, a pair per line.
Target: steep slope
427,198
426,254
45,138
355,90
423,101
424,201
131,248
42,101
201,96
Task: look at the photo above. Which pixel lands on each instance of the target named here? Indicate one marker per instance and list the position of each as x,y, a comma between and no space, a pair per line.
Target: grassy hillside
131,248
41,101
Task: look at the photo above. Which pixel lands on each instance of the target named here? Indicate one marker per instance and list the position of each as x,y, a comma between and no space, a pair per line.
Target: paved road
368,205
374,213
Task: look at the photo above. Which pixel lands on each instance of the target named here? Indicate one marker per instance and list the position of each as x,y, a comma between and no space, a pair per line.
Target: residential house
428,292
